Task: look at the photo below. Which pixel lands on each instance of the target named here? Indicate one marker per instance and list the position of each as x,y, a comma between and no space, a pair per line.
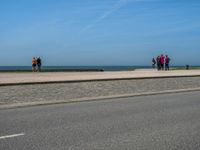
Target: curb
93,99
96,80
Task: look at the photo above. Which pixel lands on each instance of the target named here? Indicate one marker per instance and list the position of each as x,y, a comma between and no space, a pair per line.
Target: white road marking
11,136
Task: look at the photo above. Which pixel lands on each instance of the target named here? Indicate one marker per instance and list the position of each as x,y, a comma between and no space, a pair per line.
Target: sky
99,32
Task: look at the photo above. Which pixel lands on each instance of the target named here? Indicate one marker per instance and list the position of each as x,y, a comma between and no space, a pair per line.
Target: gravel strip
67,91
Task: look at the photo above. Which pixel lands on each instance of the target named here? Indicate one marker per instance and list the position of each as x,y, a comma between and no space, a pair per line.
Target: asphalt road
159,122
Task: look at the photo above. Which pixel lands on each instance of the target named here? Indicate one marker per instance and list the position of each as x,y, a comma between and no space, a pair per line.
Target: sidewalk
59,77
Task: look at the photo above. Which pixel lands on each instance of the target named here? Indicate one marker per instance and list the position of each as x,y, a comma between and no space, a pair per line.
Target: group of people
162,62
36,64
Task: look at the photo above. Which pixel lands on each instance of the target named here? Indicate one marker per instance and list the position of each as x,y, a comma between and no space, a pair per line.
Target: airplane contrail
119,4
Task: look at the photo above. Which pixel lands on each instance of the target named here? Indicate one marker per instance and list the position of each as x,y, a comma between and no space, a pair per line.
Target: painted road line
11,136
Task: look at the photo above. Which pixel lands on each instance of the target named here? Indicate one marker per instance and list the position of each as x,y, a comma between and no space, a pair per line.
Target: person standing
153,63
39,64
187,67
34,63
158,63
162,61
167,61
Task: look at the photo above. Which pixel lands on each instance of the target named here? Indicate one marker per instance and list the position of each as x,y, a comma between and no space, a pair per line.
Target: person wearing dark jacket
39,64
167,61
158,63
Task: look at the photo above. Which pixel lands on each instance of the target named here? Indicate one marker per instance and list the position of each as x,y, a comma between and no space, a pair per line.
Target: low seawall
29,95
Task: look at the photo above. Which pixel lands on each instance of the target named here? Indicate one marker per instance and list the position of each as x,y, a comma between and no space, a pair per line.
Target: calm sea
105,68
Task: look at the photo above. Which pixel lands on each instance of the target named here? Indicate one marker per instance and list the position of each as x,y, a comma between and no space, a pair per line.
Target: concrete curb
90,99
96,80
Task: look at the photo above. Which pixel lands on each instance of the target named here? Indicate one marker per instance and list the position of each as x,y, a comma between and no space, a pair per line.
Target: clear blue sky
99,32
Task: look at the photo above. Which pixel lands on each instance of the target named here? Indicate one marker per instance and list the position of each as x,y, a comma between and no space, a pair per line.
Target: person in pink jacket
162,61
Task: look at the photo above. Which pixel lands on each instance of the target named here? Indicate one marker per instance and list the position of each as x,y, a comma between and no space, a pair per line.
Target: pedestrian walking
39,64
34,63
167,61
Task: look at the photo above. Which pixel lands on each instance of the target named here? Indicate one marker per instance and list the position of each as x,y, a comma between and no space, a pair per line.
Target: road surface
170,121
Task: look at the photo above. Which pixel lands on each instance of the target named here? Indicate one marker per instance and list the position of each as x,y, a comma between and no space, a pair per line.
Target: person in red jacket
162,61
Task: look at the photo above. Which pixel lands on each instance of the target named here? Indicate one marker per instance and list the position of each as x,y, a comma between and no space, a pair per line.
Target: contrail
119,4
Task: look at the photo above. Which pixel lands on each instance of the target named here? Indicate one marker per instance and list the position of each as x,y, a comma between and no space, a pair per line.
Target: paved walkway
18,78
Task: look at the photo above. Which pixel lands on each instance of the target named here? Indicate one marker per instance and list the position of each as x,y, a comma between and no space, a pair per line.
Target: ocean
104,68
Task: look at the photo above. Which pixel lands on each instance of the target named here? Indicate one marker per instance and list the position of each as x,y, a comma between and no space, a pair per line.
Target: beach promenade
29,89
57,77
